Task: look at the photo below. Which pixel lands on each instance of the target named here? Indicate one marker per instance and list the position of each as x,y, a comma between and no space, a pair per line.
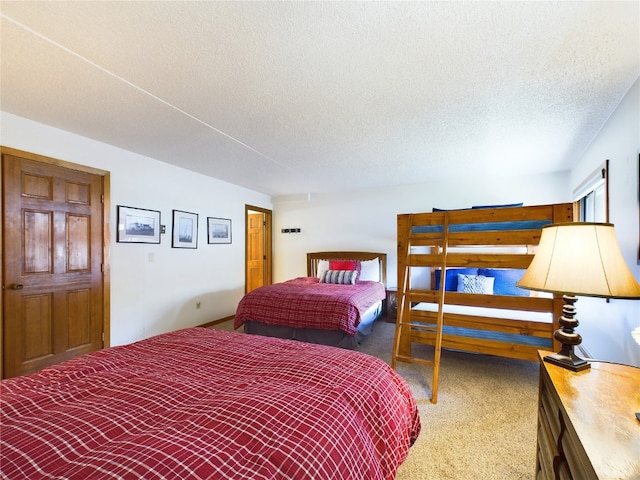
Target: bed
339,312
205,404
483,252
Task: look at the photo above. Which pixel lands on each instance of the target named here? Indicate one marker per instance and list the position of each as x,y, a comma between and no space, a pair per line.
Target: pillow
370,270
451,278
504,205
476,207
475,284
323,266
339,277
345,265
342,264
535,293
435,209
505,283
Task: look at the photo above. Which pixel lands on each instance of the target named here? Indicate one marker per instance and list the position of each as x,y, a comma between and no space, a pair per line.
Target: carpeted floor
484,424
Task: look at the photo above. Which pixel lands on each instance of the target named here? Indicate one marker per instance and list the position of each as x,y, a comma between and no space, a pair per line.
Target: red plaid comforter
205,404
306,303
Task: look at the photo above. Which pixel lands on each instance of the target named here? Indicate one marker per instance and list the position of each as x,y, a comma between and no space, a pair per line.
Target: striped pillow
340,277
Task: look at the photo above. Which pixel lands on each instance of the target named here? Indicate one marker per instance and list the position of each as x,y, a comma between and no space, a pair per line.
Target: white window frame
591,197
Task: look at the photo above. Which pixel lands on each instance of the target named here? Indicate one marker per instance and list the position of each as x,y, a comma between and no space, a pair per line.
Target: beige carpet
484,424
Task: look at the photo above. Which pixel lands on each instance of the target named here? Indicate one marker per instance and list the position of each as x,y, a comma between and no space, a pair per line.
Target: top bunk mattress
483,227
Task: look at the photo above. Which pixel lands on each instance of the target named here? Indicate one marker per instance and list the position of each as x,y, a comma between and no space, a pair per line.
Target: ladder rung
419,326
402,358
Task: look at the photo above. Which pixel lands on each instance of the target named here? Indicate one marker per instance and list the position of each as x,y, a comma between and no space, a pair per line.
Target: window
592,196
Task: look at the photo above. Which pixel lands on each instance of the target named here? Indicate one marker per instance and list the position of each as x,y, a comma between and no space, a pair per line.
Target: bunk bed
325,307
204,404
475,305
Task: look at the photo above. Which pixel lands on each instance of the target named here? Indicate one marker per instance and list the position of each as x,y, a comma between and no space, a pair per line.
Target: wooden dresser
587,428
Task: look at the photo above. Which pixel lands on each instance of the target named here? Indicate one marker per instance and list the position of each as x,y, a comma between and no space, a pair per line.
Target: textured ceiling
307,97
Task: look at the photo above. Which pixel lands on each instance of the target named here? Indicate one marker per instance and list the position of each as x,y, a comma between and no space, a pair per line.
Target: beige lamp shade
580,259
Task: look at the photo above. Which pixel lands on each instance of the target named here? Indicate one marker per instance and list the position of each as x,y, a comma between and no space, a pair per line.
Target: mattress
206,404
335,338
525,315
305,302
501,313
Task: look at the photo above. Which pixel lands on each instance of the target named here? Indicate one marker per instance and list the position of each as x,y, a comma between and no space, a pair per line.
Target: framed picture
138,225
218,230
185,229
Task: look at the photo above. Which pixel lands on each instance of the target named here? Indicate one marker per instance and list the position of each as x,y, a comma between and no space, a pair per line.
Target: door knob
16,286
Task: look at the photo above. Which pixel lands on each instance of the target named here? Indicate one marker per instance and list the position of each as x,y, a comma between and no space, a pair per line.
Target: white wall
366,220
605,327
154,288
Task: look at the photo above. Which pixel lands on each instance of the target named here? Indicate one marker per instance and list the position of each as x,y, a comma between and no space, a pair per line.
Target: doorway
55,263
258,256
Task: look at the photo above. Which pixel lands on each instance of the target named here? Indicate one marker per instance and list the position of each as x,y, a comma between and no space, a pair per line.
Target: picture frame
138,225
218,230
185,229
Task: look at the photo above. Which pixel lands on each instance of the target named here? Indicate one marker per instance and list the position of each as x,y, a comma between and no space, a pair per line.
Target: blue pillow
505,205
505,281
451,281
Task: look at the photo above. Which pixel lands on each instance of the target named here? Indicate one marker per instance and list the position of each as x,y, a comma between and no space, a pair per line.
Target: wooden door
53,256
255,251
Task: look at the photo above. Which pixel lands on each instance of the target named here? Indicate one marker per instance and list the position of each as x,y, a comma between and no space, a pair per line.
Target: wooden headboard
315,257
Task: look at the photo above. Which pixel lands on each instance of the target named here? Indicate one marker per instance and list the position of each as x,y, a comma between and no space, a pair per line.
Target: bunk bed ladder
405,326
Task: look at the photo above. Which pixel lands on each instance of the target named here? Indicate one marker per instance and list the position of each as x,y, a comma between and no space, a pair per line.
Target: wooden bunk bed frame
491,238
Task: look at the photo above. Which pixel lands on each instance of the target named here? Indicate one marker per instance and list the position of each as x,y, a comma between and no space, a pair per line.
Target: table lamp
578,259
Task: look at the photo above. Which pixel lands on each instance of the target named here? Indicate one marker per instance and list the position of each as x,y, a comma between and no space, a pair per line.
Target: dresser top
601,403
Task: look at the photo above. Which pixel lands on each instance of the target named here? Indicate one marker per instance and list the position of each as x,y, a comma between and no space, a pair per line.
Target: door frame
268,242
106,237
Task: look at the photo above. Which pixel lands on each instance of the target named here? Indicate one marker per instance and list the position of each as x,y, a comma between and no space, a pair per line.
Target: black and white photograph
219,230
185,229
138,225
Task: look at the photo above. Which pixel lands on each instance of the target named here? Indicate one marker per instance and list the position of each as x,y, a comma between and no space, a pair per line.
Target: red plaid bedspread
306,303
205,404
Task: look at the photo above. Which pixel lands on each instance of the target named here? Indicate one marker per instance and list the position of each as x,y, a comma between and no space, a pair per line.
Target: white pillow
370,270
323,266
535,293
475,284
